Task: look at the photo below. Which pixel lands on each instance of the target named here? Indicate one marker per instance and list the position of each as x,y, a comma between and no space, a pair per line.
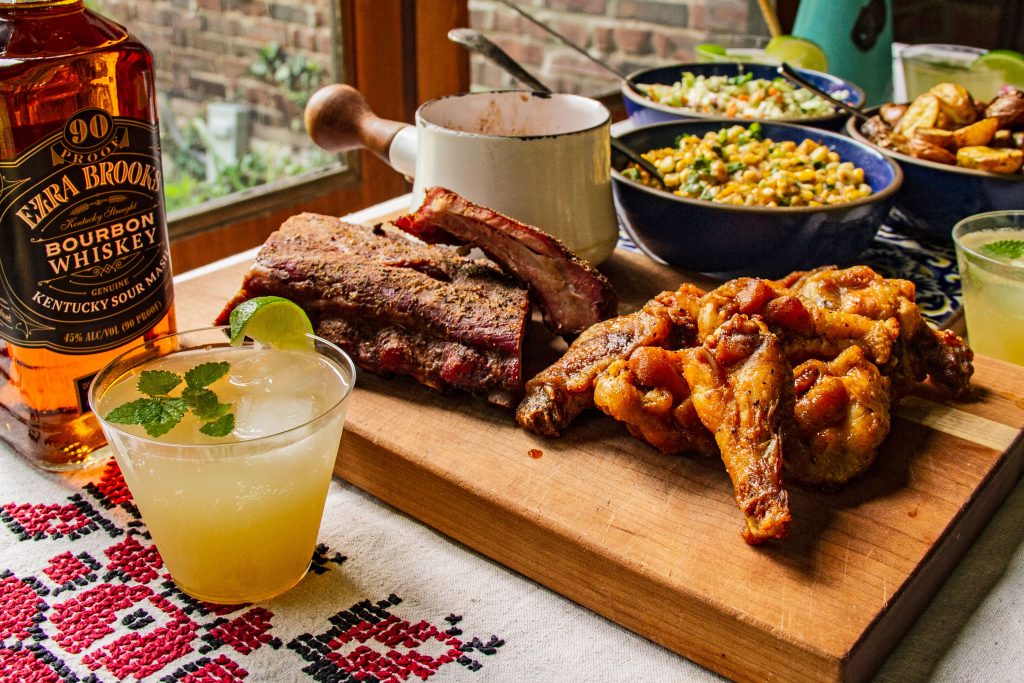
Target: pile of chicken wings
796,375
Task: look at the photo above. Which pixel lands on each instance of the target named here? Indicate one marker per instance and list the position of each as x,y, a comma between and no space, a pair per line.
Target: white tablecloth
83,593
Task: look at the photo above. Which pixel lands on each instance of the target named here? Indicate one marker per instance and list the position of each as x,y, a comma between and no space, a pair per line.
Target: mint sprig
157,382
205,374
159,413
1007,249
219,427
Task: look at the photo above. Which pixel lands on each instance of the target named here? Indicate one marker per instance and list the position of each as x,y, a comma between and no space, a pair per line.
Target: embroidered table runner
84,596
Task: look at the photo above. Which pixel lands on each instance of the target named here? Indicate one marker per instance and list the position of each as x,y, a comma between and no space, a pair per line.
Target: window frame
400,43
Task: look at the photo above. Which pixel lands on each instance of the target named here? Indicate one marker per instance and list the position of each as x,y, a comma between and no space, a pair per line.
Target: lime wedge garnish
712,49
1009,64
797,51
272,321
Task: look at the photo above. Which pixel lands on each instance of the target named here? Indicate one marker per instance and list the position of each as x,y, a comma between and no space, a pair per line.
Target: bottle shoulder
54,32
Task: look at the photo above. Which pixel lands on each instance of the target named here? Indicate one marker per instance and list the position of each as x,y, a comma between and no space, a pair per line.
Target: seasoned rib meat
742,388
398,306
840,419
558,394
571,294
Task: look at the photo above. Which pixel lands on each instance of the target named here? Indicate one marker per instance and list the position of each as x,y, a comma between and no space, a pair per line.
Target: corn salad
737,165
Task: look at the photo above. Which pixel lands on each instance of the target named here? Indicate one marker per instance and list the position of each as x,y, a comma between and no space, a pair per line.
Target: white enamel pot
543,159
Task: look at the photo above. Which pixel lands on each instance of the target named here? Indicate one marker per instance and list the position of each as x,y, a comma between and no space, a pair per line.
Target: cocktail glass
927,65
993,288
235,518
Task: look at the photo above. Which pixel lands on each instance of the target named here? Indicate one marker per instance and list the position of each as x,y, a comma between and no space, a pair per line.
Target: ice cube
264,414
254,371
289,372
305,374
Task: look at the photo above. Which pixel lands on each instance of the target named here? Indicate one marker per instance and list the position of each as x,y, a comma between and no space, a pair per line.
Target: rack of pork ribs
420,308
794,376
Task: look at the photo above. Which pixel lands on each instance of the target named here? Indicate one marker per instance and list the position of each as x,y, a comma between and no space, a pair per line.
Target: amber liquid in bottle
83,238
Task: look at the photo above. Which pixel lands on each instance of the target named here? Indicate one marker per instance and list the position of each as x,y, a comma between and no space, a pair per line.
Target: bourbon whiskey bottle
85,270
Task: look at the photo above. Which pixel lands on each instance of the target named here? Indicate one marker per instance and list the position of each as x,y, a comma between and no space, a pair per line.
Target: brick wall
203,50
626,34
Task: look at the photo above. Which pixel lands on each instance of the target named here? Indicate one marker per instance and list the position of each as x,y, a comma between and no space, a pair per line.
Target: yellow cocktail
235,517
990,253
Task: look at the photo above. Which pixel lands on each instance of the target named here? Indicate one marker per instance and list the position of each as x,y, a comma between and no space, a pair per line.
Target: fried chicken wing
805,330
921,350
742,389
840,418
650,396
692,371
558,394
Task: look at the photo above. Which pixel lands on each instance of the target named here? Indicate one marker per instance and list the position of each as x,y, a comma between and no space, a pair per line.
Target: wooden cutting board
652,542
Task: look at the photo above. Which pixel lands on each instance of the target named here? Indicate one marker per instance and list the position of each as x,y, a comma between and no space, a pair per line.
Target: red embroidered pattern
206,670
332,658
131,558
20,607
131,622
111,487
66,567
24,665
246,633
39,521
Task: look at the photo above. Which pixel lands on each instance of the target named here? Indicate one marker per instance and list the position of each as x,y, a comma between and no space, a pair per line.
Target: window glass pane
233,77
625,34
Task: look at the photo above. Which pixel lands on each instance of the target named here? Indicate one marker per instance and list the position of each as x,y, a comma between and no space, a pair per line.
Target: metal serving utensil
789,73
568,43
476,42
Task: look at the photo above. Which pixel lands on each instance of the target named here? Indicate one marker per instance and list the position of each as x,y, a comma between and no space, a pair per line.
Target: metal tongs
791,74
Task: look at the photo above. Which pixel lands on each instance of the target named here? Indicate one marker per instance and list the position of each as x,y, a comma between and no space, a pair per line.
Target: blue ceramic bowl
934,196
643,111
729,240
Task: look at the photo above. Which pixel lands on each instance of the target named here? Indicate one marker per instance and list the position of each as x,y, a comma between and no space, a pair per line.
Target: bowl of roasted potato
959,156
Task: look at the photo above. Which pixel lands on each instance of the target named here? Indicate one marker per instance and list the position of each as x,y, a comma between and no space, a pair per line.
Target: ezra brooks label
84,262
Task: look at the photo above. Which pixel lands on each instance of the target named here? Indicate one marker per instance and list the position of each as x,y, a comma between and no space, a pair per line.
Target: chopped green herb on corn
736,165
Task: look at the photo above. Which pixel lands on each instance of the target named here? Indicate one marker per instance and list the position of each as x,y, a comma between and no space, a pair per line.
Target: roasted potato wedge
955,102
995,160
976,134
922,149
943,122
1008,108
892,113
921,113
938,137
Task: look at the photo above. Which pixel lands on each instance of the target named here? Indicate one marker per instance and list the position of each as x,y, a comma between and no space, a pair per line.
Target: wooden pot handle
338,118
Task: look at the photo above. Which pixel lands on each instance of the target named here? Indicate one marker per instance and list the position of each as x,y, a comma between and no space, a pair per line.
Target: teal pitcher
856,35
